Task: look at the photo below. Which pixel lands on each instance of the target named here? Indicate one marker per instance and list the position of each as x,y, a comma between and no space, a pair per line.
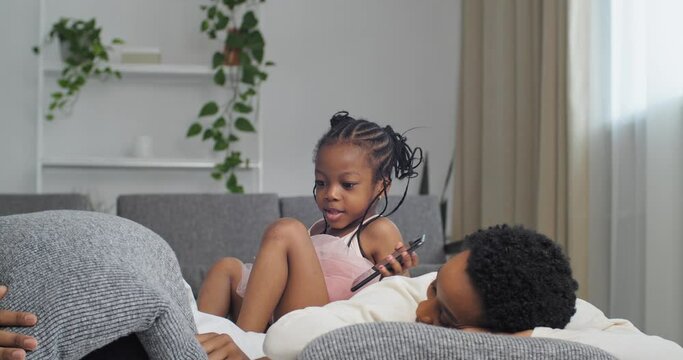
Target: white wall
18,84
393,62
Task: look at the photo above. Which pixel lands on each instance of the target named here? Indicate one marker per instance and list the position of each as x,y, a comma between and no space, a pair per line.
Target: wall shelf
146,69
154,100
134,163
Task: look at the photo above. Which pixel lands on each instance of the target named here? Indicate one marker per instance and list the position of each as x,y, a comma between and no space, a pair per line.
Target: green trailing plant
238,66
84,56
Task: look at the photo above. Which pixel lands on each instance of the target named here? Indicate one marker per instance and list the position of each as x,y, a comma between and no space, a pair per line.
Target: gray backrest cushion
419,214
11,204
393,340
202,228
302,208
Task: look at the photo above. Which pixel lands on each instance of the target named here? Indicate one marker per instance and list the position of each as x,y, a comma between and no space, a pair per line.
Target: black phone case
413,245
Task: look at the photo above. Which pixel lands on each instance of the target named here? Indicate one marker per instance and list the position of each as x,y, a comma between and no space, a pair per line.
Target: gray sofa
201,228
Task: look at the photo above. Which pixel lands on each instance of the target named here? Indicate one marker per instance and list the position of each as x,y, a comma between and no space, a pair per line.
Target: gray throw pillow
397,340
92,278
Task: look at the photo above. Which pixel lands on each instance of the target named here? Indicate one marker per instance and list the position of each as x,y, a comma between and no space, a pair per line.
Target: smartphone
364,279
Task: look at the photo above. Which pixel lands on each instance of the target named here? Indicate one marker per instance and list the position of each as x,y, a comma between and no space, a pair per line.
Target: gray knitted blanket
92,278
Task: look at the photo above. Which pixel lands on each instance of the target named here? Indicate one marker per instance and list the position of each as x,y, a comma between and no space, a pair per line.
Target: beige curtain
519,152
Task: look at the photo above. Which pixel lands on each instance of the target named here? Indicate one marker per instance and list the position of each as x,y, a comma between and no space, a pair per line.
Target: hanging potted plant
238,66
84,55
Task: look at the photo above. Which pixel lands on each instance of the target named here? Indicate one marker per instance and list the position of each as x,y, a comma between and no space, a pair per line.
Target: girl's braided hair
388,152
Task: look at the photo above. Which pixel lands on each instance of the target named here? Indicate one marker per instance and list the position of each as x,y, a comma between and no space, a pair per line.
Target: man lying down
508,280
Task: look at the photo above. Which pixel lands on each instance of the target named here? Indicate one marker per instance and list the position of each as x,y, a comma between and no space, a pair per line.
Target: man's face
451,300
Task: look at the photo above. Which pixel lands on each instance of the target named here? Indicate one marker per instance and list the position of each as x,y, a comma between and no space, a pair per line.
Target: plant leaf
194,129
243,124
219,123
232,180
245,60
235,40
269,63
222,168
249,21
217,175
258,54
208,133
117,41
242,108
233,160
249,92
210,108
220,145
237,189
222,21
254,40
218,59
249,74
219,77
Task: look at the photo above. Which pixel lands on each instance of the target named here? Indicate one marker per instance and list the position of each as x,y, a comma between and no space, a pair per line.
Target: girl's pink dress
341,264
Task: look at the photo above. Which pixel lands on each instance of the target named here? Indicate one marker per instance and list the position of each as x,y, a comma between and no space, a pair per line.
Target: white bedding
251,343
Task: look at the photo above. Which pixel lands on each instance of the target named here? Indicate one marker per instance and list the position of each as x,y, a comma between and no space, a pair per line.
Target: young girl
296,267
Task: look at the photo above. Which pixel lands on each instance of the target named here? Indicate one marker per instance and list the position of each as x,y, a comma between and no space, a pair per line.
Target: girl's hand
220,347
13,345
409,261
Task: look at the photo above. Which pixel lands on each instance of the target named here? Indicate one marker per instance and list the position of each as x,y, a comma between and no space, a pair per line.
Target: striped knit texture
92,278
394,340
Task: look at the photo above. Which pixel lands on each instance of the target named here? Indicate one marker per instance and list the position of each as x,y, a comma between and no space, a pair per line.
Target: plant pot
66,54
231,56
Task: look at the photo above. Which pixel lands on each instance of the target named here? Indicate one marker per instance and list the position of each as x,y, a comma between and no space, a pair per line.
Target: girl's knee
286,230
226,265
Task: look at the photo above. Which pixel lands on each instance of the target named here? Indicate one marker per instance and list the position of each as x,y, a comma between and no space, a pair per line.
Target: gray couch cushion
92,278
302,208
202,228
11,204
393,340
419,214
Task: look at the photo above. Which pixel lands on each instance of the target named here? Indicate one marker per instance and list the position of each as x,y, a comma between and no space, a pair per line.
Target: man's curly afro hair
522,278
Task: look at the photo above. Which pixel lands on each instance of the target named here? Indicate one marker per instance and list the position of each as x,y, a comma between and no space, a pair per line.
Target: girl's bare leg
286,276
217,295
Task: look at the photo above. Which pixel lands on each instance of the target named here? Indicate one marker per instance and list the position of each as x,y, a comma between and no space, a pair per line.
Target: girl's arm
380,240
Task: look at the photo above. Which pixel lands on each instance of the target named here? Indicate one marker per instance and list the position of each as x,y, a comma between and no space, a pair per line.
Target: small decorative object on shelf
140,55
238,65
83,54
